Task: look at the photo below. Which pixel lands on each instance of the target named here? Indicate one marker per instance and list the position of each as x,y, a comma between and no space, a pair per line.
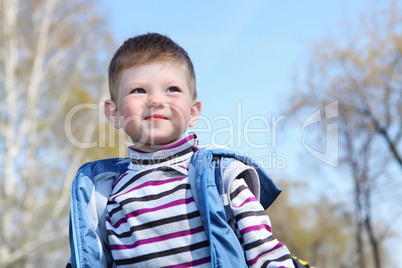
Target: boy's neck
155,147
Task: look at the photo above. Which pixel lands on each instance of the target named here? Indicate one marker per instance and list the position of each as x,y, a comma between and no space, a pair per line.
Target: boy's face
154,104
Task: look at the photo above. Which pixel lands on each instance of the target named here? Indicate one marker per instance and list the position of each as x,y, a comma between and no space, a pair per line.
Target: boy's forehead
161,66
179,64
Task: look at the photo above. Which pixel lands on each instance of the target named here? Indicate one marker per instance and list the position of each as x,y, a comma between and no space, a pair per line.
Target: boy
147,213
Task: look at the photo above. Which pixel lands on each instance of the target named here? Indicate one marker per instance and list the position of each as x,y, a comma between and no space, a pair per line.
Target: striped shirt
152,219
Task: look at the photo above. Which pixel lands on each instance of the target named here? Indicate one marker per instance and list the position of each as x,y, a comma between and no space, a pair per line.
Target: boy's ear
112,113
195,112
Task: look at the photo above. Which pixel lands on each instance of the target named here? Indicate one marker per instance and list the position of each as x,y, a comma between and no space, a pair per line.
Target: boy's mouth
155,117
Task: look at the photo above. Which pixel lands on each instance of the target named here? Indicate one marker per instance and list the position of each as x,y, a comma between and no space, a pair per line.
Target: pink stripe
177,144
149,183
183,167
253,261
256,228
148,210
158,239
191,263
248,200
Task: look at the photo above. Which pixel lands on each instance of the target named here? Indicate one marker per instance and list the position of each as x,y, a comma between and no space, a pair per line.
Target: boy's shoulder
226,156
217,151
116,165
213,161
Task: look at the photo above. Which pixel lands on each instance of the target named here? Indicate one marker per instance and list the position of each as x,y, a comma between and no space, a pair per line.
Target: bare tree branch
364,74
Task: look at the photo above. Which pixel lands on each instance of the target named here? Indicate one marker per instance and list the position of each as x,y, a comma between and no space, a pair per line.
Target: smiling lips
155,117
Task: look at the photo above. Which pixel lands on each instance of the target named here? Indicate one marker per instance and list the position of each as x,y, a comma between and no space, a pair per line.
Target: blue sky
245,54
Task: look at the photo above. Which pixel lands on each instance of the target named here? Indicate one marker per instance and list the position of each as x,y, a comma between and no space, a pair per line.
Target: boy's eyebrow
132,85
168,82
176,82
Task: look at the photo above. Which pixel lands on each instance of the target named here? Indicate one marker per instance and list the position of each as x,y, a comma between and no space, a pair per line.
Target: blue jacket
92,186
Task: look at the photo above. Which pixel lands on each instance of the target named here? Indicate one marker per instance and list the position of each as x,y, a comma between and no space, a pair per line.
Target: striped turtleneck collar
175,155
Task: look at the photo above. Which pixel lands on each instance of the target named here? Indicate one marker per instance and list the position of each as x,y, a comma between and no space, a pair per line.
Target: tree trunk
374,243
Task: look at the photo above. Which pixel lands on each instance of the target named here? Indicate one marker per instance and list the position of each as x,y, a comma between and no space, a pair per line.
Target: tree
52,57
317,229
362,71
312,230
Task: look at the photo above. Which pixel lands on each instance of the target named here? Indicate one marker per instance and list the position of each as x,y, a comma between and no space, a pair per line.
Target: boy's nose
155,101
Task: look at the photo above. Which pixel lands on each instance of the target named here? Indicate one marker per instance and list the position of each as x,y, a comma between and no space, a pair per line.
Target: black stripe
250,214
153,224
148,198
141,174
158,161
178,162
258,242
280,259
237,191
165,253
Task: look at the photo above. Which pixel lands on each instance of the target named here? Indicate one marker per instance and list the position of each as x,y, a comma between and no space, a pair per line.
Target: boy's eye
138,91
173,89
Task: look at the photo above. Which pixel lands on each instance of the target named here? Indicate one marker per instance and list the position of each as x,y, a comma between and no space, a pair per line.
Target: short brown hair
144,49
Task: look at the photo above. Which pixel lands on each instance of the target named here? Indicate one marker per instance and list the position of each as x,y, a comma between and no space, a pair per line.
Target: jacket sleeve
89,193
253,228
